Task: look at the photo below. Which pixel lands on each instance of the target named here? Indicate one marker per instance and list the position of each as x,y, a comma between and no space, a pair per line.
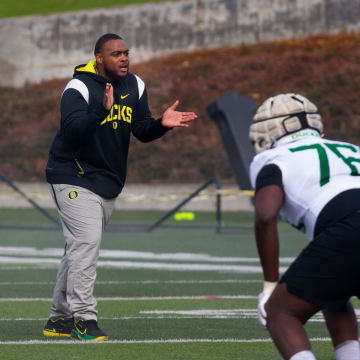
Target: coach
100,107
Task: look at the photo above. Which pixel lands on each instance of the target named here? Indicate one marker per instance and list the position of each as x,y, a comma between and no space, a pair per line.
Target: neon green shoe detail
88,330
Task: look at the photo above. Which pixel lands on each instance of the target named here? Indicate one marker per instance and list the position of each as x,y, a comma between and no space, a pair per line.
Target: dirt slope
326,69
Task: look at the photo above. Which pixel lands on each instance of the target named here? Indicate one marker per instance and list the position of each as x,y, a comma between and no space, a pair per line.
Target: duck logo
73,194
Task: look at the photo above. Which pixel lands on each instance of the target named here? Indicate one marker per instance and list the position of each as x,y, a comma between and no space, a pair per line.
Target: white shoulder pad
80,87
141,86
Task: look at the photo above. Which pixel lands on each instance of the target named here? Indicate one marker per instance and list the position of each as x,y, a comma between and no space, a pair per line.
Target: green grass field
40,7
184,293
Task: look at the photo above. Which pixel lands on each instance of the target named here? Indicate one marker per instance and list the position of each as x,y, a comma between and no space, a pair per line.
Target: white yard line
50,257
126,254
240,317
142,298
155,341
186,314
29,268
152,318
23,319
17,283
147,265
202,312
142,282
26,260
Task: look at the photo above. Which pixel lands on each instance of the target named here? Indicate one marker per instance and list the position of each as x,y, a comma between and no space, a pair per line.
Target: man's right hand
108,96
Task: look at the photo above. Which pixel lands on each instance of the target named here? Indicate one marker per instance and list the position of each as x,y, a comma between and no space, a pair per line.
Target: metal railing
219,224
32,202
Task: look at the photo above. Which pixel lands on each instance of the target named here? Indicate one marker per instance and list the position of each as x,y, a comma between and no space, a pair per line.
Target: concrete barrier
36,48
139,197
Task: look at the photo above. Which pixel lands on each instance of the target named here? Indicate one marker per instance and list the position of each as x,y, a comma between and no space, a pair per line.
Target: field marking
148,318
27,268
225,314
241,316
140,298
188,314
203,312
126,254
142,282
172,318
147,265
155,341
194,261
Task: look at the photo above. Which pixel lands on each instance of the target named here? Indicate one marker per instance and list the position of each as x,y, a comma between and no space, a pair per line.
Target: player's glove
263,298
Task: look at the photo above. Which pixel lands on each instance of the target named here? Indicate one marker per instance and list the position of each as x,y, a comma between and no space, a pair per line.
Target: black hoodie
91,148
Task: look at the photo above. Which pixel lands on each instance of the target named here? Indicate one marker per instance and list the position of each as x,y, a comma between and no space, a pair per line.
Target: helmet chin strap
273,142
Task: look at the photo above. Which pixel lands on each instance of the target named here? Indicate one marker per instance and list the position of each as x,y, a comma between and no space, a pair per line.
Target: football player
314,184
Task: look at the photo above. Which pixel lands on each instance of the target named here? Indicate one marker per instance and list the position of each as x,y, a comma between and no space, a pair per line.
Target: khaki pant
83,215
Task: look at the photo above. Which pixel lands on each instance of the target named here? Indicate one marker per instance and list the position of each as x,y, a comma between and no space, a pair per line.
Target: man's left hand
269,287
173,118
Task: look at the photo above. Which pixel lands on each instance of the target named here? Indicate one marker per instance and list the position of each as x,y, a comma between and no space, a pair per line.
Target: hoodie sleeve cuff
158,121
100,112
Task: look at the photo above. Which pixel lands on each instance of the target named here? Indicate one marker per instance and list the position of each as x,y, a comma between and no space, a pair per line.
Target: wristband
269,286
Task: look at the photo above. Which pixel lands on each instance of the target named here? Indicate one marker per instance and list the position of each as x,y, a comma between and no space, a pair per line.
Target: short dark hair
103,39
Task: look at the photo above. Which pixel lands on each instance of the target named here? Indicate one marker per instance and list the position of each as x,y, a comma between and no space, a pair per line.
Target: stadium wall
36,48
140,197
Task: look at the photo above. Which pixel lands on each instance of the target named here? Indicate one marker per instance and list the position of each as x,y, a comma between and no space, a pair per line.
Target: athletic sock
348,350
304,355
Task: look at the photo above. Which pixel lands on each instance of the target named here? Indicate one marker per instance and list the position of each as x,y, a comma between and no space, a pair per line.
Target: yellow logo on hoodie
120,113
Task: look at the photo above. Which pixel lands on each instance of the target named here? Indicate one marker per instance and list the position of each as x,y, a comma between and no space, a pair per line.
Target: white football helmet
281,116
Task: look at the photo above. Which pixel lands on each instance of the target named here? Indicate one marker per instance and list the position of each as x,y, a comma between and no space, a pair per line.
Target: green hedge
39,7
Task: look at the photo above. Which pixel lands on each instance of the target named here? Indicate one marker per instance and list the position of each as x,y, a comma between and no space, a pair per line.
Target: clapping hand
108,96
173,118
